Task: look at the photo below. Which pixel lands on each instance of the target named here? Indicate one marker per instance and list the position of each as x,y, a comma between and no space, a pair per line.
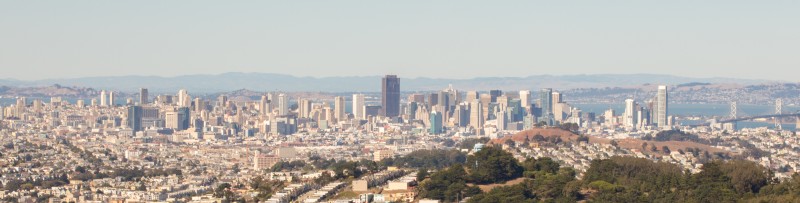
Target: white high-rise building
283,104
358,107
111,98
662,101
103,98
525,98
338,108
630,116
476,114
304,108
184,100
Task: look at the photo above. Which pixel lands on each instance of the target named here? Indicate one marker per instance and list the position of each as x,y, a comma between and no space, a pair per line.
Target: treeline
618,179
428,158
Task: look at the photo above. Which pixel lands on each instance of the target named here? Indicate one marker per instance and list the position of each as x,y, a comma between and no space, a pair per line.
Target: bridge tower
733,110
778,111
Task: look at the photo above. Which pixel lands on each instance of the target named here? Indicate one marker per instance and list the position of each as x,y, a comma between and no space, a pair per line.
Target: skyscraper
494,94
525,98
304,108
629,117
436,123
111,98
338,108
358,107
103,98
476,114
135,118
283,104
662,102
143,96
390,96
546,99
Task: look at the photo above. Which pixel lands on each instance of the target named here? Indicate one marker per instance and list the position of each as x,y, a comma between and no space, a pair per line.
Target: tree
421,174
510,143
665,149
492,165
614,143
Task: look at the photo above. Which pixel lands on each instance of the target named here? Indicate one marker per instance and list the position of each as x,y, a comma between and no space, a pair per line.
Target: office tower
199,105
662,102
629,117
184,118
304,108
171,119
557,98
471,96
263,109
412,110
494,94
433,99
390,96
525,98
546,99
436,123
135,118
80,103
222,100
184,100
338,108
143,96
358,107
443,102
461,114
418,98
501,120
476,114
111,99
103,98
283,104
486,100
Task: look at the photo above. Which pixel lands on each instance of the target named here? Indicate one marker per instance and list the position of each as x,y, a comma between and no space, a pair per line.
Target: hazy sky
448,39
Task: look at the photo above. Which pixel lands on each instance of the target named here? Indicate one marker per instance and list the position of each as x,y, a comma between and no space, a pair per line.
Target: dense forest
618,179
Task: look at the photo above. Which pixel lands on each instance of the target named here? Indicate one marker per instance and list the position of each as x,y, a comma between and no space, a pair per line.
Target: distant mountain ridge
281,82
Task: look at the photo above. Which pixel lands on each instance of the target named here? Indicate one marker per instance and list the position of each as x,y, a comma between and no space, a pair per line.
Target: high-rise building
338,108
143,96
501,120
135,118
418,98
390,96
630,115
436,123
111,98
476,114
471,96
494,94
103,98
304,108
283,104
546,100
184,100
358,107
525,98
662,102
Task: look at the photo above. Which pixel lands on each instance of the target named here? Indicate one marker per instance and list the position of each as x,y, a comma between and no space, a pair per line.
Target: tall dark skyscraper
546,98
135,118
494,94
390,100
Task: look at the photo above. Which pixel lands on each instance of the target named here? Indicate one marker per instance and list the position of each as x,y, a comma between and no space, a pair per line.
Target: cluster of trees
428,158
675,135
17,184
618,179
288,165
136,173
